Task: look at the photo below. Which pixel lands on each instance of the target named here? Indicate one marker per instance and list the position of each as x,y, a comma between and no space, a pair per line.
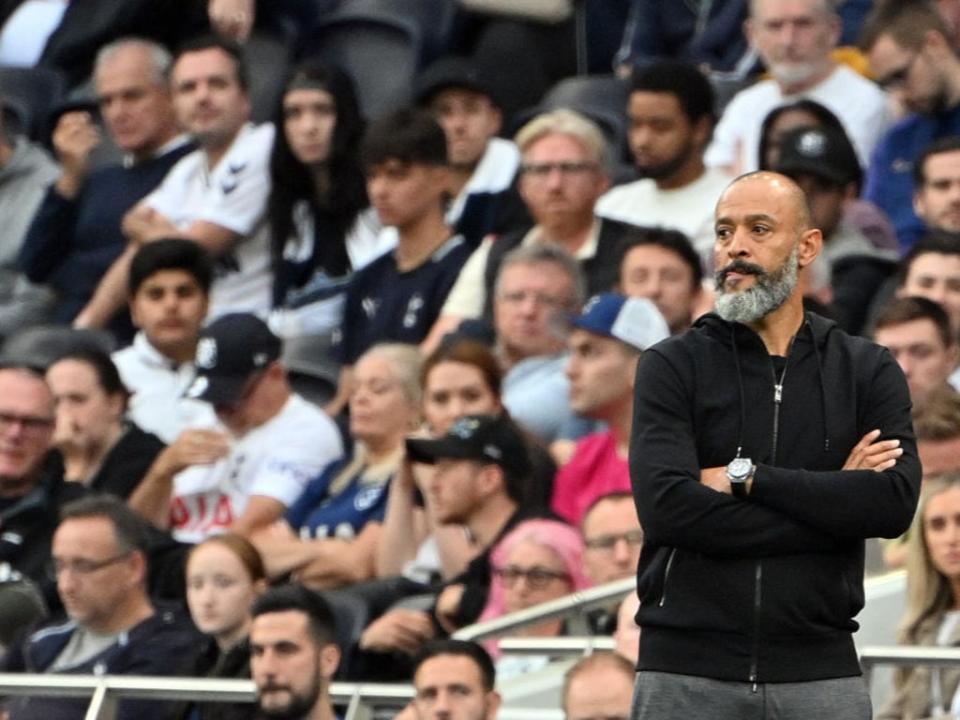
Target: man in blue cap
604,344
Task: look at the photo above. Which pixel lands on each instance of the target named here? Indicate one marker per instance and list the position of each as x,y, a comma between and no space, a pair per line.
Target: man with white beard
767,445
795,38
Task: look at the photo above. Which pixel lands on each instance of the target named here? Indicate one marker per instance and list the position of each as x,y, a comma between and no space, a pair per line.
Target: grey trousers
666,696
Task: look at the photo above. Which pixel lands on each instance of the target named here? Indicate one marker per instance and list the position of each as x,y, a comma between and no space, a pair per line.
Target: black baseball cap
229,351
488,439
826,153
450,72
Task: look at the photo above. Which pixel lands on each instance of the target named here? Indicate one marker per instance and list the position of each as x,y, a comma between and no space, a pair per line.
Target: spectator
859,213
76,233
662,265
269,441
605,344
398,296
293,654
534,285
32,488
932,574
25,172
932,270
321,226
911,57
709,36
100,448
936,423
225,575
917,333
599,685
215,196
564,170
483,167
936,185
454,679
538,561
480,469
612,538
823,163
101,568
626,638
331,532
795,42
670,115
169,284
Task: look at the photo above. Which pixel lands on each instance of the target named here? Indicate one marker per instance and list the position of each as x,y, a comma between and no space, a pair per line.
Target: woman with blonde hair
932,616
330,534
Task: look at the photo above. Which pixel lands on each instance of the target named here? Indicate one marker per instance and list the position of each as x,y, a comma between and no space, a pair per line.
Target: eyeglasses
607,543
516,297
81,566
31,424
536,577
898,78
539,171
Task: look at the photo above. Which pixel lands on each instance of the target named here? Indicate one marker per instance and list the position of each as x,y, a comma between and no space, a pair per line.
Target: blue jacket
164,644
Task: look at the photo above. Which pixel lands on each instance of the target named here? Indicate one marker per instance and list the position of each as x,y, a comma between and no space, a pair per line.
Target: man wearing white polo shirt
215,196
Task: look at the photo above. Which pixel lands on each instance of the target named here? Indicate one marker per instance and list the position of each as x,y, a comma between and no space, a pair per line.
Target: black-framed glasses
81,566
31,424
608,542
536,577
898,77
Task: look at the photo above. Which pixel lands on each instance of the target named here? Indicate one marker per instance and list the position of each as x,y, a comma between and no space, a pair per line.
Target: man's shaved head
782,185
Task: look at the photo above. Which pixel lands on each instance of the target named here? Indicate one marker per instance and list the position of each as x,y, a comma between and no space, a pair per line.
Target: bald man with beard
757,476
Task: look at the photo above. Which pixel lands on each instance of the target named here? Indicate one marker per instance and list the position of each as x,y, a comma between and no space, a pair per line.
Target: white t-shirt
157,385
469,293
688,209
275,460
859,104
27,30
234,196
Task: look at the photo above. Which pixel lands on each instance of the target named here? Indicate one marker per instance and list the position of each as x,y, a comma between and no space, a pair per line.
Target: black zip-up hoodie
763,589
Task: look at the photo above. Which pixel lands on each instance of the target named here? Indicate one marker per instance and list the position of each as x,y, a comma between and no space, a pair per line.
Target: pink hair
564,540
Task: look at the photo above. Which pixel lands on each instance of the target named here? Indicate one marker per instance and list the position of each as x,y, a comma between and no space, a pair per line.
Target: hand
194,447
400,629
232,18
74,140
873,454
448,602
716,478
143,224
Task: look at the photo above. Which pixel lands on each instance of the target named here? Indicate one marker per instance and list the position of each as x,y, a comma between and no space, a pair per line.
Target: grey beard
768,293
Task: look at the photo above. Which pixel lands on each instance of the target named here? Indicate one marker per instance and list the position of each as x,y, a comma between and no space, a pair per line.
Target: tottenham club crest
206,353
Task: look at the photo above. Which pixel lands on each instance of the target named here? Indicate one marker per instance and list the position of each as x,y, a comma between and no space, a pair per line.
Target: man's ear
810,244
329,660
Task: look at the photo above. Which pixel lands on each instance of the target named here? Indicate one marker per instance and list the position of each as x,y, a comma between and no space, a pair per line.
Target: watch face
739,468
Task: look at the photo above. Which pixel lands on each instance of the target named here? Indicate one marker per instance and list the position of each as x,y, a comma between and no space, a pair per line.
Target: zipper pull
778,393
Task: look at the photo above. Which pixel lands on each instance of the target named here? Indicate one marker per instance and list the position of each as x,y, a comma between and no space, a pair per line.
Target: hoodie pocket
666,577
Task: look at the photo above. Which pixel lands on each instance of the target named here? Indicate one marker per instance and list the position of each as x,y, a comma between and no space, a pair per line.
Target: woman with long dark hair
322,228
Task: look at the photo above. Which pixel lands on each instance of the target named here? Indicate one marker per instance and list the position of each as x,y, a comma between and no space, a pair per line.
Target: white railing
105,690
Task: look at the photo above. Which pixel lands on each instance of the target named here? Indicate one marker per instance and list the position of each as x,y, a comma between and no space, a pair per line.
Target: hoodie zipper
758,574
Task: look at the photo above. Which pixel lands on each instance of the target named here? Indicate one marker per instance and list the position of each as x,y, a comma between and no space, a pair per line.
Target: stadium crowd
306,355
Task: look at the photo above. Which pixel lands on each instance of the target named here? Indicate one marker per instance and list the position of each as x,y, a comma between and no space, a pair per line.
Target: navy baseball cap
634,321
229,351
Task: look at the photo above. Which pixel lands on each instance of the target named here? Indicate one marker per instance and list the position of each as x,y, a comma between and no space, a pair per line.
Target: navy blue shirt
889,183
387,305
